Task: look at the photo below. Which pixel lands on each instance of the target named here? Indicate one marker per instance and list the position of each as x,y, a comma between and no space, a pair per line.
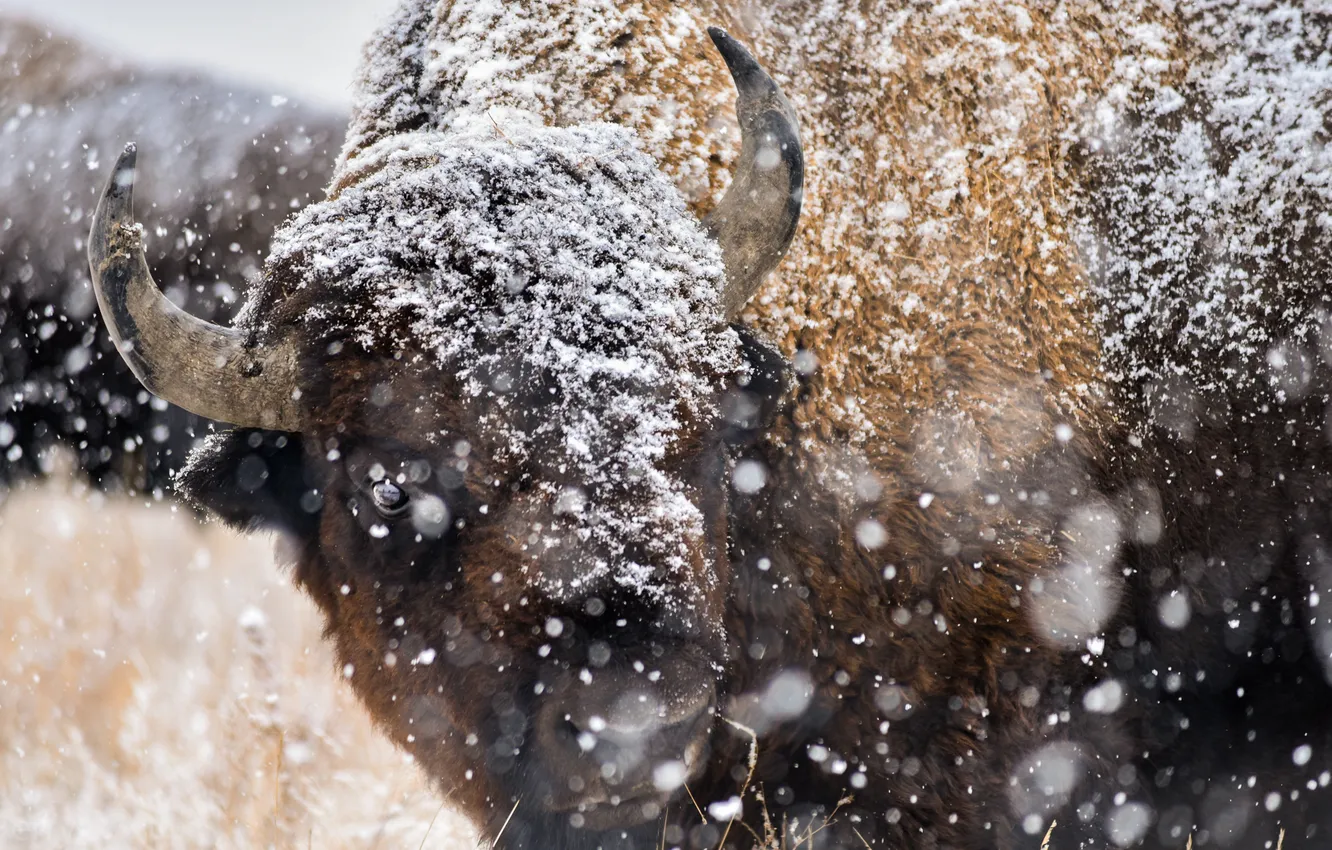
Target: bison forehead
557,282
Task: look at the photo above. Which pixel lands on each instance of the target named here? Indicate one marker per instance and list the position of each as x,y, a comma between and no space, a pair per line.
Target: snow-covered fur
995,559
228,165
570,300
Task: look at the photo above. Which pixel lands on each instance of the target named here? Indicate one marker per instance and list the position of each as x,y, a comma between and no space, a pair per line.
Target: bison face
490,390
466,598
548,678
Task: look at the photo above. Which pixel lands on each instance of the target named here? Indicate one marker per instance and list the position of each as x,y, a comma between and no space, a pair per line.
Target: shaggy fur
955,599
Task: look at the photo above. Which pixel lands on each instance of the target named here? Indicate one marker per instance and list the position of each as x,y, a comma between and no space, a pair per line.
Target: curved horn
757,218
205,368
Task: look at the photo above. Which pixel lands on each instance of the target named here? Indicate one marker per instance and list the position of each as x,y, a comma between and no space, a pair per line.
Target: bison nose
617,743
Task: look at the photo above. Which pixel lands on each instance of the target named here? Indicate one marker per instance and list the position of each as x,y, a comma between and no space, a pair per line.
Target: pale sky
303,48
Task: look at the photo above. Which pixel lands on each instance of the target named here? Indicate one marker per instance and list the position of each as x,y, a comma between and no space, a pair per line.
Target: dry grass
790,835
163,685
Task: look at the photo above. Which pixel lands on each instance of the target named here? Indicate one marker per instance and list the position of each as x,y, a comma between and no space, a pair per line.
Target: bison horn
205,368
757,218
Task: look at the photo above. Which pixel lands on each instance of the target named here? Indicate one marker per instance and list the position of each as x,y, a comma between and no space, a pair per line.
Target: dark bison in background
234,163
1007,502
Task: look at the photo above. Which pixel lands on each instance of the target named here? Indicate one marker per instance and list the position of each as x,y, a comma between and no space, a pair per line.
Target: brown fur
1002,346
935,283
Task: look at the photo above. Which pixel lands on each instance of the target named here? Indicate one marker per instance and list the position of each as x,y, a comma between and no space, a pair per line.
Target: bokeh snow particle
1174,610
1127,824
1074,602
787,695
1105,698
870,534
750,476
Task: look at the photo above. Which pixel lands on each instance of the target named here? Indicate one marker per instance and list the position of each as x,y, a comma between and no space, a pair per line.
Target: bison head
490,390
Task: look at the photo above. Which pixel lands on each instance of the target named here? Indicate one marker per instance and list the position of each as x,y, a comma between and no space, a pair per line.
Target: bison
241,161
1003,501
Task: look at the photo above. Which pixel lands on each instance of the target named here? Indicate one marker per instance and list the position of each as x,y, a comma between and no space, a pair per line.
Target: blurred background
304,48
162,683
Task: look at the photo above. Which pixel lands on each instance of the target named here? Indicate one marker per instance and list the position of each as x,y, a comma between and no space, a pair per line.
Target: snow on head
553,281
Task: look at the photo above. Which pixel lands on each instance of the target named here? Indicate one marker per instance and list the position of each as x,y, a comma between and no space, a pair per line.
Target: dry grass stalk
753,766
771,839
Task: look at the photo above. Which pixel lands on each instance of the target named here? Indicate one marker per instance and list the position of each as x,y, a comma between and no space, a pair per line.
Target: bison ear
752,403
255,479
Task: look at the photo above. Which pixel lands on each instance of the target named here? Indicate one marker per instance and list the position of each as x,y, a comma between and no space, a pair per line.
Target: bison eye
390,499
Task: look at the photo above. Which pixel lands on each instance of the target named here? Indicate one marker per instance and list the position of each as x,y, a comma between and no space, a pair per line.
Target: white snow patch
613,335
1195,238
